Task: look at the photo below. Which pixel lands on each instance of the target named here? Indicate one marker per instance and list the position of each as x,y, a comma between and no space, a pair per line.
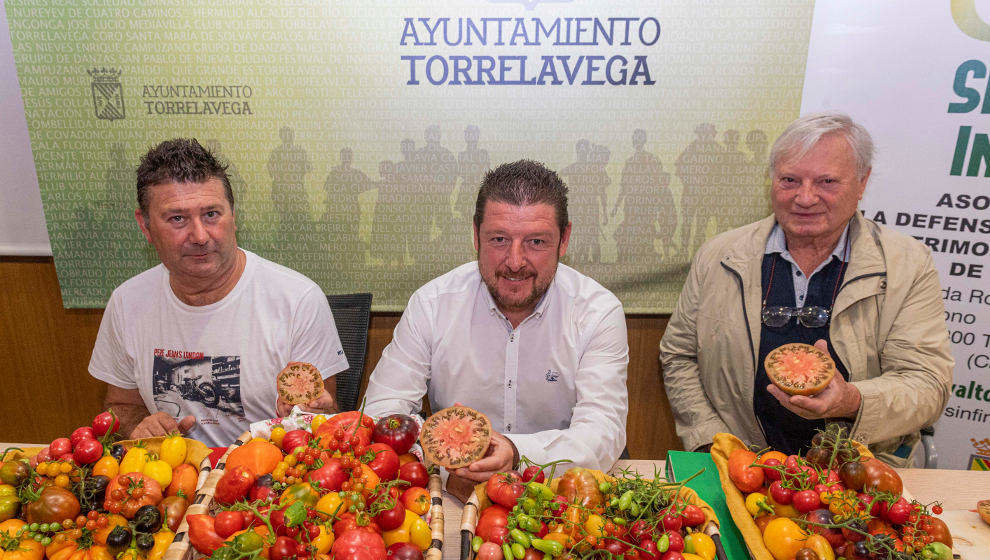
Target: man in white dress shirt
537,346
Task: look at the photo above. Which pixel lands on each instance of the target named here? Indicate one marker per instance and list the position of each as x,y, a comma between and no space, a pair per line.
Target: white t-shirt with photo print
217,362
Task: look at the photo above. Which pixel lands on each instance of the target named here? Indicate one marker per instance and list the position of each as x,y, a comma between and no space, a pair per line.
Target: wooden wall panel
46,390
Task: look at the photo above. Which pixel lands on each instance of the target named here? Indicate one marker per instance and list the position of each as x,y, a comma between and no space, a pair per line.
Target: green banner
357,132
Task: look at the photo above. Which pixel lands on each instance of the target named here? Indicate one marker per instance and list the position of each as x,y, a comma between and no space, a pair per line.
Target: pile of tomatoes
347,487
87,497
589,516
834,502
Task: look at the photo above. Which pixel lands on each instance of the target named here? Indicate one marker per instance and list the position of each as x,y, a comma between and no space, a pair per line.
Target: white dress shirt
555,385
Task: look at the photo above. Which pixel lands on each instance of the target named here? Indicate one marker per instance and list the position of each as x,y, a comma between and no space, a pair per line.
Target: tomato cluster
346,487
87,497
627,517
832,502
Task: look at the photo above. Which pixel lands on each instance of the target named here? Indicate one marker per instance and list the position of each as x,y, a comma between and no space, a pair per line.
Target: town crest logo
980,461
108,95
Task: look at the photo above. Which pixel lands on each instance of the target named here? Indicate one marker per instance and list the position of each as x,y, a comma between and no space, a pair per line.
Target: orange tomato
417,500
113,520
258,455
71,545
407,458
784,538
746,478
184,479
26,549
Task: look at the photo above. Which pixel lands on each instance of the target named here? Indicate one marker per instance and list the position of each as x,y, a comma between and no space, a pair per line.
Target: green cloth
683,464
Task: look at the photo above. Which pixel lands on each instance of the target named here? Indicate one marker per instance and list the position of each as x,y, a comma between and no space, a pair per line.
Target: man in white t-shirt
199,339
535,345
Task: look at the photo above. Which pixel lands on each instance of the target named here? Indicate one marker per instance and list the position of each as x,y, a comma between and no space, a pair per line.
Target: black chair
351,313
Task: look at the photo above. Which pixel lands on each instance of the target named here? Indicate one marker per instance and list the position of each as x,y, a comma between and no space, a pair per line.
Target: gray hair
802,135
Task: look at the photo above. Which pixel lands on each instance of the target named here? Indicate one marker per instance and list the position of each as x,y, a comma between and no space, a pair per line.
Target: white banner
916,76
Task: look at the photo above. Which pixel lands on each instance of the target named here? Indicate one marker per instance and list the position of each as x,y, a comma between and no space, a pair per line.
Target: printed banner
358,132
917,79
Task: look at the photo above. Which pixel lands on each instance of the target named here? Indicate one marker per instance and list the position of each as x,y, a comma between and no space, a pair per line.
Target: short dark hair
180,160
520,183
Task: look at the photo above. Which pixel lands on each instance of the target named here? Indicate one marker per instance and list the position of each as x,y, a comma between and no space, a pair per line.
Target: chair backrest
351,313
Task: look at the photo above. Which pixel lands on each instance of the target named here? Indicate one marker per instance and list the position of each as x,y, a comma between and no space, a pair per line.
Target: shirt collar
777,243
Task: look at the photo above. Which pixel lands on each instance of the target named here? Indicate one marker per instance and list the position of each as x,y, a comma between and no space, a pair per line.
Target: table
957,490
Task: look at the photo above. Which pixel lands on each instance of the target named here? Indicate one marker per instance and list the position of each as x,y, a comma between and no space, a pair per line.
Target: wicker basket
181,549
479,501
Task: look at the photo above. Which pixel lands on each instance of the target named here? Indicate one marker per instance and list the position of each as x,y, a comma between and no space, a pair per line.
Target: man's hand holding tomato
501,456
323,404
840,399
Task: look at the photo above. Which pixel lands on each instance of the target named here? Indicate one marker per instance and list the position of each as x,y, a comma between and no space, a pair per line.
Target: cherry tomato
390,519
60,446
489,551
533,473
415,474
692,515
226,523
898,512
87,451
780,493
417,500
105,422
81,433
676,541
331,476
806,500
283,549
672,522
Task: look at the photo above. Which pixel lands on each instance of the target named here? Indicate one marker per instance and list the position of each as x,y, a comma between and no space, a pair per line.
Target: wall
45,349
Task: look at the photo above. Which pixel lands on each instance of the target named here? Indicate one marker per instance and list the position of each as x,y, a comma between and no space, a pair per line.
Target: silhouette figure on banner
288,166
385,243
472,163
582,205
342,218
439,169
645,206
697,169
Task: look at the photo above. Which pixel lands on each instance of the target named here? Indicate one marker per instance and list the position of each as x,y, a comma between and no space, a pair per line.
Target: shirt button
509,384
798,273
508,427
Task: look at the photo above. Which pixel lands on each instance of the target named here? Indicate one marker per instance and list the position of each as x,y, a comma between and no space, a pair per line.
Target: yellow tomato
278,433
700,544
783,538
323,541
690,556
174,450
317,422
328,504
7,490
160,471
758,505
402,533
419,534
595,526
134,460
163,539
106,466
821,547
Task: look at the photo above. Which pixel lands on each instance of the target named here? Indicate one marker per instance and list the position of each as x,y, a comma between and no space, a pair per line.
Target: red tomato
505,488
87,451
672,555
772,474
407,551
492,524
781,494
490,551
414,473
390,519
898,513
692,515
671,522
105,422
746,478
358,545
676,541
383,460
283,549
615,547
806,500
349,522
60,446
81,433
533,473
351,423
331,476
650,550
226,523
398,431
294,439
234,485
202,534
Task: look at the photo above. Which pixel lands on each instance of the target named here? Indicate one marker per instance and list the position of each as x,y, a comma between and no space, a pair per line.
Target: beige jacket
888,328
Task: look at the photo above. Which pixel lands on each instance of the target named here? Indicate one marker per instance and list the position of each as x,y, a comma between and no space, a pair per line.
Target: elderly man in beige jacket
817,272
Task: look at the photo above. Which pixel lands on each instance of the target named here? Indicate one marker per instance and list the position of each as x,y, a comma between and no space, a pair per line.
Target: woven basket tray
479,501
181,549
724,445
